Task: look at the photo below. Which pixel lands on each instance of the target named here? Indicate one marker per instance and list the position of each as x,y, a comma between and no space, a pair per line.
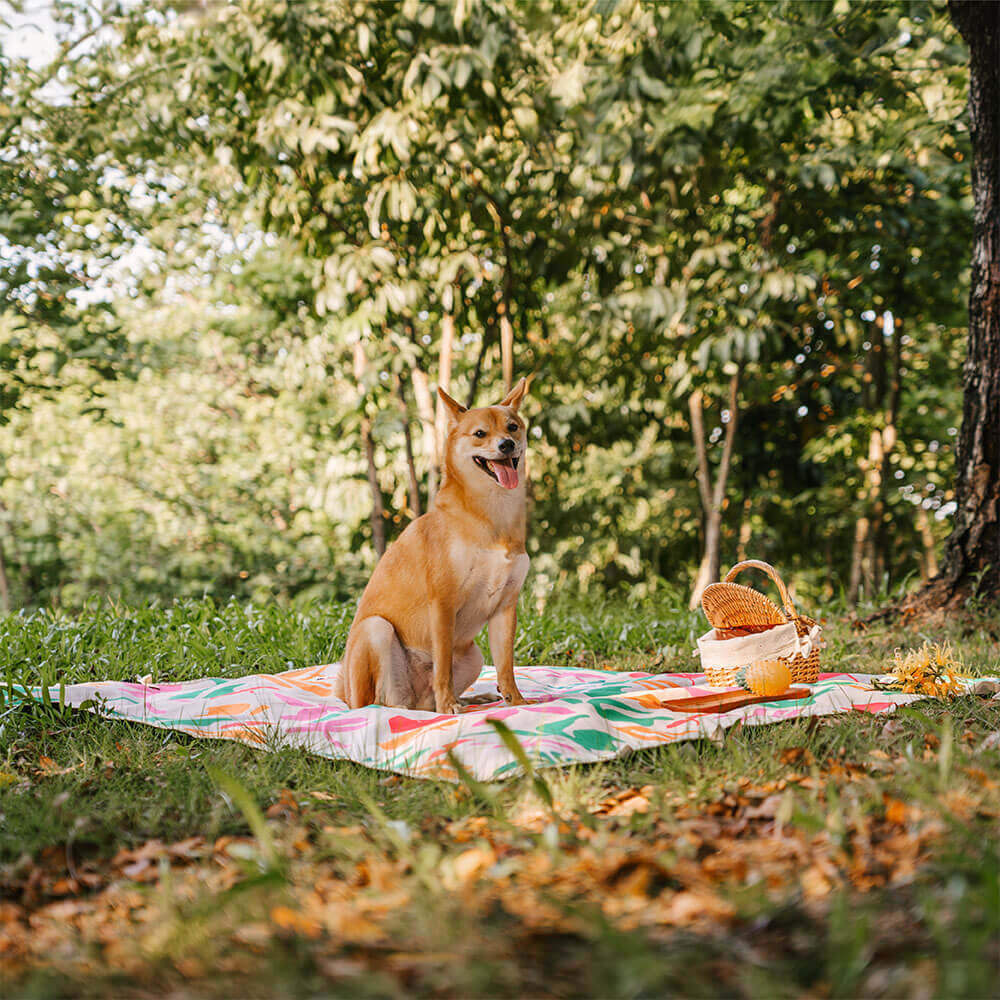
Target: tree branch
727,449
695,404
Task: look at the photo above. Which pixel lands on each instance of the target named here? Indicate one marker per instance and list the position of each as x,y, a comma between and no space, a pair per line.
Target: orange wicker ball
766,677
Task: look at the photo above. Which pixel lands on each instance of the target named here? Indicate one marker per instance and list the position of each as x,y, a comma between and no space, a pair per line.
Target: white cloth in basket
777,643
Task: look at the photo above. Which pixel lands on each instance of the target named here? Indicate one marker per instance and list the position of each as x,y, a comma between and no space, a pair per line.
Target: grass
842,857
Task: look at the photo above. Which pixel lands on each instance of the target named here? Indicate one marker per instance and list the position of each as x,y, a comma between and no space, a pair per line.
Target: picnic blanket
577,716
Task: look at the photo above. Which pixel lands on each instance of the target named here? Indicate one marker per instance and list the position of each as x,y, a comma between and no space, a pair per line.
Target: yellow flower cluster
932,670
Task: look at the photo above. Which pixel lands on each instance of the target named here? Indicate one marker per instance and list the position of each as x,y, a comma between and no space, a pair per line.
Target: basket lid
731,605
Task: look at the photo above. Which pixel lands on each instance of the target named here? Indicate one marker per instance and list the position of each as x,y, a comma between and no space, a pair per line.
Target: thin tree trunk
507,351
506,325
425,411
4,584
857,560
378,508
892,392
411,466
708,569
478,369
746,530
929,563
864,563
712,495
444,380
5,603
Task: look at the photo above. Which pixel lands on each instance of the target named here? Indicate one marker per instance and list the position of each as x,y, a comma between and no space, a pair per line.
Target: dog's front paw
514,697
448,706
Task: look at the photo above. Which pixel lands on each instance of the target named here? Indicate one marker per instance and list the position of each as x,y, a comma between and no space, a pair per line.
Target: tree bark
444,381
971,560
506,350
4,584
411,465
857,561
378,507
477,370
506,325
425,411
746,530
712,495
929,563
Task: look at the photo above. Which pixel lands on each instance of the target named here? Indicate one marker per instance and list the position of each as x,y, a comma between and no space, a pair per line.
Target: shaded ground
845,857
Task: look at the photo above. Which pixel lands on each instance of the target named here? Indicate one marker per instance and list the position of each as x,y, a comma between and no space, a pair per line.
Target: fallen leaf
471,863
340,968
895,810
285,806
255,935
294,922
694,906
322,796
815,884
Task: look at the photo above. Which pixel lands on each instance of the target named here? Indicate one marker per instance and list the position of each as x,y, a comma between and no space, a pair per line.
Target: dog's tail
356,684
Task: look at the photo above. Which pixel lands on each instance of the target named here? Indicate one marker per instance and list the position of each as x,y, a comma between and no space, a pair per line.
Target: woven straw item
734,610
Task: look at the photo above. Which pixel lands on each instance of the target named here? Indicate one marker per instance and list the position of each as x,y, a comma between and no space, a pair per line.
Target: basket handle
786,599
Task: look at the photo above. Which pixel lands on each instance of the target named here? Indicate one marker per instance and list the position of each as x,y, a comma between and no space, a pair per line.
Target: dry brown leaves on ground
641,859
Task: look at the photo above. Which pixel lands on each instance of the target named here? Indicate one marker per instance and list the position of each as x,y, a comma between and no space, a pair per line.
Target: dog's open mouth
503,470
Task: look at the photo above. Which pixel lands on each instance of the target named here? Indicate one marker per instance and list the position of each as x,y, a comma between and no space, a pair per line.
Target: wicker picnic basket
746,625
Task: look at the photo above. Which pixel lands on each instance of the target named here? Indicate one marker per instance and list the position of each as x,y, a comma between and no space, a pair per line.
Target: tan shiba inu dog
457,568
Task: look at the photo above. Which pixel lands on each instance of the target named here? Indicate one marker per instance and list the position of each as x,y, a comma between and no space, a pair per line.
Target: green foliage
657,196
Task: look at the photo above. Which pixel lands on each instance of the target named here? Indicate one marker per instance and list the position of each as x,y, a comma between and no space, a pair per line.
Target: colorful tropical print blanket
576,716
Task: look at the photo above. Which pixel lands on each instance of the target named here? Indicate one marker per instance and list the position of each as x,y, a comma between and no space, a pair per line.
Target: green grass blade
244,801
477,788
513,744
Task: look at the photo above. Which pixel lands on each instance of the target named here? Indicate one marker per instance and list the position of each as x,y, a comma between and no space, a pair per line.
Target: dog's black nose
507,445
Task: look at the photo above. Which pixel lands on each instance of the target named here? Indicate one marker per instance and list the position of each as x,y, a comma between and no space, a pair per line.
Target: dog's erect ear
516,395
454,407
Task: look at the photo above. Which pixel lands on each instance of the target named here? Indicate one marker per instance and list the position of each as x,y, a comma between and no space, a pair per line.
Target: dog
455,569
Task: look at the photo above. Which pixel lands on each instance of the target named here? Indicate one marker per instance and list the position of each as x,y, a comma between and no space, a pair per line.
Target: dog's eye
512,427
480,434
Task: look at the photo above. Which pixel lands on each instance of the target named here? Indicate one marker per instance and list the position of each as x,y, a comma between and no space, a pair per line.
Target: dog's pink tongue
506,474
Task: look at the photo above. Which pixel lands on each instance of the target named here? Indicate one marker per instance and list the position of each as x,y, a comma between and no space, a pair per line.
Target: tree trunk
444,381
929,563
712,495
506,324
709,568
411,466
5,604
971,558
857,561
507,350
865,560
746,530
4,584
378,508
477,370
892,391
425,410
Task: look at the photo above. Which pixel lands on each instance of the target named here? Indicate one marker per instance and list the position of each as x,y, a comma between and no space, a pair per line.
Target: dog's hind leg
402,677
376,667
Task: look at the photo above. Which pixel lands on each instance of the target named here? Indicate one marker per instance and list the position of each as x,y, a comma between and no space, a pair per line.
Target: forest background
241,244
